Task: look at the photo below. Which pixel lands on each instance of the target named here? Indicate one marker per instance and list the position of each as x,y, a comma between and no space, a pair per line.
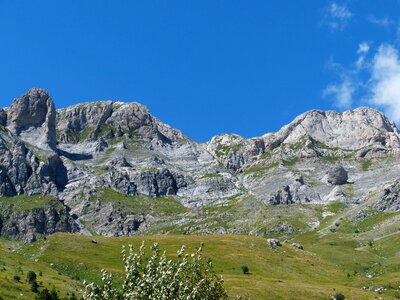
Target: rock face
297,192
3,117
33,118
337,176
109,119
389,199
31,224
234,151
148,182
21,171
362,128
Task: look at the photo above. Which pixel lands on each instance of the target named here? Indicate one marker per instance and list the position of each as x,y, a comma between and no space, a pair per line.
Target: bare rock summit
33,118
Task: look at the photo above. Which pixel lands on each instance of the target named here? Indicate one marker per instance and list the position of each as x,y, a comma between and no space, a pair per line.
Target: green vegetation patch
336,206
330,158
25,202
223,150
290,162
254,169
140,203
366,164
78,136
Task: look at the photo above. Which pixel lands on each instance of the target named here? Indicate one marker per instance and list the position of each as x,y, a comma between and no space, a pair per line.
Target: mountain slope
117,170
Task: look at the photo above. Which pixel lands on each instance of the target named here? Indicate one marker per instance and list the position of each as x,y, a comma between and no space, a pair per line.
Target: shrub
188,277
339,296
31,276
34,287
46,295
245,269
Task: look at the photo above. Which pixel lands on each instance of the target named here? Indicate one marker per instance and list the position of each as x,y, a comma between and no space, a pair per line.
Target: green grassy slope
283,273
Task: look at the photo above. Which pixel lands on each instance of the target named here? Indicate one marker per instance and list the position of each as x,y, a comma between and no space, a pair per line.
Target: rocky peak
108,119
352,130
33,118
234,151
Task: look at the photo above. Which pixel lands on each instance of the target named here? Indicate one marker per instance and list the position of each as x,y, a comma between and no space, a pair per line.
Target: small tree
34,287
46,295
245,269
188,277
339,296
31,276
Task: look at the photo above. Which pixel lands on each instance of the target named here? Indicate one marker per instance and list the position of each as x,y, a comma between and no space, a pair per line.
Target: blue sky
206,67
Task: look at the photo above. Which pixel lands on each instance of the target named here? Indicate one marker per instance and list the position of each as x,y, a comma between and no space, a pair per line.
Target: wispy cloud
337,16
384,22
375,79
341,93
385,81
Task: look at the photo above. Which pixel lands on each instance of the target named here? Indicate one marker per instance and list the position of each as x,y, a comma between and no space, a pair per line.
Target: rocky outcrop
90,121
297,192
363,130
22,171
29,225
234,151
33,118
283,227
298,246
389,199
274,243
336,175
3,117
147,182
112,219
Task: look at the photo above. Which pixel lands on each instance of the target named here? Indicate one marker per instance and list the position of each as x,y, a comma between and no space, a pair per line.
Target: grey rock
283,227
274,243
298,246
120,162
30,225
33,118
296,192
101,145
389,199
3,117
352,130
337,176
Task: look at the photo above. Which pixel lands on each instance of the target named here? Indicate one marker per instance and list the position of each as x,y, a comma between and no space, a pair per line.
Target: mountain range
111,168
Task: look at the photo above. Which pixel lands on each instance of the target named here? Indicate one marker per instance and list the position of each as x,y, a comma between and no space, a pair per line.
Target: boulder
337,176
298,246
274,243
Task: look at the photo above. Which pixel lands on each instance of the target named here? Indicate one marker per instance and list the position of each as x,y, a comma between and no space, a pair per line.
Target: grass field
65,260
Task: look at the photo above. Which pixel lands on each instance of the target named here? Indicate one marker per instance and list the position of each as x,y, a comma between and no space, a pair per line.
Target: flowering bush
188,277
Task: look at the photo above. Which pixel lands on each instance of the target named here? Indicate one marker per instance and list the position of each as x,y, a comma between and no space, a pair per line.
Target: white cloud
341,93
362,52
384,84
376,80
337,16
384,22
363,48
